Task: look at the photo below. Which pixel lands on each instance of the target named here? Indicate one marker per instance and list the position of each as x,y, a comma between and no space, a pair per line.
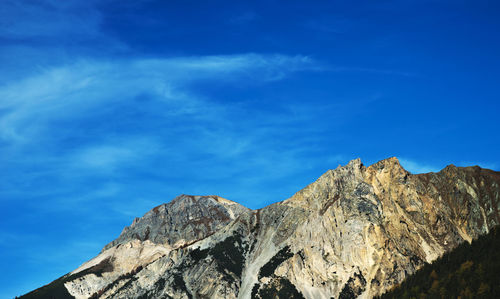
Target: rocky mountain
354,232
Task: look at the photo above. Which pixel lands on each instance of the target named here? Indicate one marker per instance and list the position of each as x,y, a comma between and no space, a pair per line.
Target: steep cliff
355,232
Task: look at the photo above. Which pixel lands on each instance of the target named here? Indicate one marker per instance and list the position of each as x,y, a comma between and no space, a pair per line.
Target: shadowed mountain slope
354,232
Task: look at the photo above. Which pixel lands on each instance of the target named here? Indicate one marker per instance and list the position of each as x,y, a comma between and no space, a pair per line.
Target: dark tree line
468,271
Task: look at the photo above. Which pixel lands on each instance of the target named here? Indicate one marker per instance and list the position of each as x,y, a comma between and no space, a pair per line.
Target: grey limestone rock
354,232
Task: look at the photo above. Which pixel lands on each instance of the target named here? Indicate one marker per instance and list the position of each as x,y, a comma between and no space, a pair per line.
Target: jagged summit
354,232
187,197
183,220
391,162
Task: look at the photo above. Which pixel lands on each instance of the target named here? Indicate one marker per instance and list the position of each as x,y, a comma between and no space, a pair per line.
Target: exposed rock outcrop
184,220
355,232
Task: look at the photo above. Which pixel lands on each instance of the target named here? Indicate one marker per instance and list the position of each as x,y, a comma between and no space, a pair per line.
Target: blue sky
109,108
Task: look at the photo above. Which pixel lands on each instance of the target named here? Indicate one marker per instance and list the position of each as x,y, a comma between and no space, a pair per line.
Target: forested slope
469,271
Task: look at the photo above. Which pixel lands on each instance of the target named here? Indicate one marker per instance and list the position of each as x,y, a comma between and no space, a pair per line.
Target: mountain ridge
354,232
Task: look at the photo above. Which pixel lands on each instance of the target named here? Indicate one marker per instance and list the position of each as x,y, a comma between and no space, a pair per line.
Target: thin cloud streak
70,90
417,167
85,92
108,157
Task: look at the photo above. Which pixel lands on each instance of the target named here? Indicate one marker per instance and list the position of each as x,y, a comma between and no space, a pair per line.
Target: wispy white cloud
71,117
105,156
185,136
417,167
109,157
70,90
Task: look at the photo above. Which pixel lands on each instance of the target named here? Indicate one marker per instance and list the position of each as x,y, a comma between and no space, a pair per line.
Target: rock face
353,233
184,220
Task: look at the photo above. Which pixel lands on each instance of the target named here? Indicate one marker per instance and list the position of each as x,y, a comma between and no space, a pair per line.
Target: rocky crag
353,233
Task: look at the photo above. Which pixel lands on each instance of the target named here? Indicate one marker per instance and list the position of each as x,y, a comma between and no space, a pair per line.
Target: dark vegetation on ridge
56,289
282,255
228,255
278,287
353,287
468,271
129,276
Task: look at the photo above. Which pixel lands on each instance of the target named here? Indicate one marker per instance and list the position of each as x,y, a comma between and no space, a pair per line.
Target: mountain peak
186,218
391,162
355,163
354,232
202,198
